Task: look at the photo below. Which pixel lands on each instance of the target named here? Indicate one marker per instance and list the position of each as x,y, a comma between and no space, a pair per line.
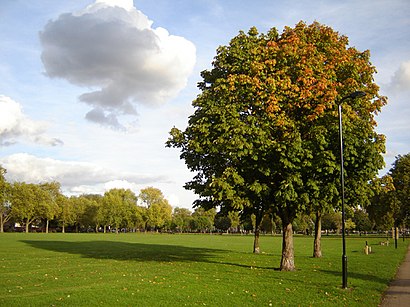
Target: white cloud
125,4
400,81
75,177
120,184
15,125
111,47
173,200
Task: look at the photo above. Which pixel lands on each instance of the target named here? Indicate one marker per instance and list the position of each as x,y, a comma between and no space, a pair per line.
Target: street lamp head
354,95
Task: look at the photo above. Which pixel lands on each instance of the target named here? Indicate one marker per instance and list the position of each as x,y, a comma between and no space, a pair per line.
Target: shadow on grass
247,266
128,251
361,276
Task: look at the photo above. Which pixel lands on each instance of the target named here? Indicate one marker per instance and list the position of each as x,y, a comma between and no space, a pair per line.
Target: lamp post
353,95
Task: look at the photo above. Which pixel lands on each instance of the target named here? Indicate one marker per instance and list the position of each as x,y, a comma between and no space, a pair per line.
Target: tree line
38,206
41,205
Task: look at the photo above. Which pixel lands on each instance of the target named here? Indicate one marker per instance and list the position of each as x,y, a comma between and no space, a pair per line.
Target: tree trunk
46,225
27,227
1,223
256,247
287,262
317,249
63,230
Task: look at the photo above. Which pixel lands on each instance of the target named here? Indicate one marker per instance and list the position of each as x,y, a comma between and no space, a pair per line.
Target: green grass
187,270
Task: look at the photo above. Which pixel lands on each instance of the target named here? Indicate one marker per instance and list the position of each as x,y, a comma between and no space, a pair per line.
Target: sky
90,90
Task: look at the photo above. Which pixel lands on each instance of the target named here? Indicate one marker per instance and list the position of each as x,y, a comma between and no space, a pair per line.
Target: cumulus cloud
15,125
111,47
120,184
401,79
75,177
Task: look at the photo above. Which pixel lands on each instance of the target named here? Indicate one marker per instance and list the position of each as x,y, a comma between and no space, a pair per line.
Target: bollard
366,249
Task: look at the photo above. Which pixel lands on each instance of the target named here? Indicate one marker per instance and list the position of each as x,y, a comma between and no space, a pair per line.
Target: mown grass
187,270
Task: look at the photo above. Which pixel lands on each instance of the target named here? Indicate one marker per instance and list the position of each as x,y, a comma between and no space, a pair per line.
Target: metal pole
342,183
395,236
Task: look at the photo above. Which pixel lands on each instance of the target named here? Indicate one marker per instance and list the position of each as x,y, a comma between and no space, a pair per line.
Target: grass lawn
187,270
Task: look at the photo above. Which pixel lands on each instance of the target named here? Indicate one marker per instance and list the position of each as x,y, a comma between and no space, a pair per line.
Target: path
398,293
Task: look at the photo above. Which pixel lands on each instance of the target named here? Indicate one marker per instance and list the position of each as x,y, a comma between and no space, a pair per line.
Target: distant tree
349,225
159,211
267,224
139,217
361,220
248,224
121,205
400,197
181,218
66,214
303,223
235,219
150,195
5,204
49,205
26,202
91,216
332,221
222,221
382,206
77,205
203,220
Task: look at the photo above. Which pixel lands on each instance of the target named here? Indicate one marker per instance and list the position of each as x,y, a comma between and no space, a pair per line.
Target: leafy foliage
159,211
400,173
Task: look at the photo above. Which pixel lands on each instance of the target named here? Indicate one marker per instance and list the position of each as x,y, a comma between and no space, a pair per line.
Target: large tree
264,134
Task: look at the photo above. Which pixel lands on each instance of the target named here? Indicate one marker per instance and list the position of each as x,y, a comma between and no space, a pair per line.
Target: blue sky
89,90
